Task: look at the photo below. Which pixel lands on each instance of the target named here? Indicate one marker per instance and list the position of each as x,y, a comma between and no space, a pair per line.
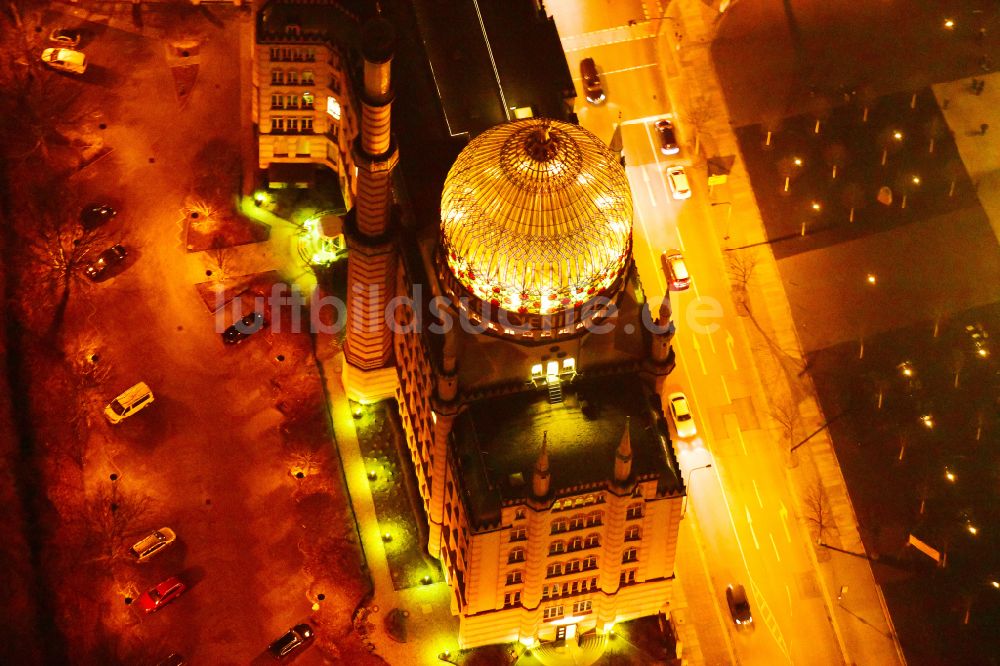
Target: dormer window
293,30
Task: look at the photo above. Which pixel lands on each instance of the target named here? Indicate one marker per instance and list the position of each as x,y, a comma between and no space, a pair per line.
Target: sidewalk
859,616
431,629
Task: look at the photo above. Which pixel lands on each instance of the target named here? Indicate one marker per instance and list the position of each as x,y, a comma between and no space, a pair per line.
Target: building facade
303,103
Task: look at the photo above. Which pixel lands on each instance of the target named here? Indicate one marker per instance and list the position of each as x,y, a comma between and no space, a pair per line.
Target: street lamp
690,472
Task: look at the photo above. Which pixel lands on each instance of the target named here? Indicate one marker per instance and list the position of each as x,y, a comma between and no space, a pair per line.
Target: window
633,533
552,612
277,124
576,522
590,562
277,101
592,540
575,587
626,577
558,526
292,101
514,577
277,77
518,534
554,569
519,514
582,607
594,519
593,583
307,78
512,599
630,555
333,108
557,547
634,511
293,77
307,100
573,566
515,555
307,124
292,124
576,543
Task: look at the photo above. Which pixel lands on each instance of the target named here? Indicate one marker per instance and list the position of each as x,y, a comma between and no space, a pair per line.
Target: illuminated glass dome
536,217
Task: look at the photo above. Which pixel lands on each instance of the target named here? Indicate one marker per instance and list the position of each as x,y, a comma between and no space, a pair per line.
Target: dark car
243,329
294,640
106,260
668,138
161,595
739,605
592,87
94,215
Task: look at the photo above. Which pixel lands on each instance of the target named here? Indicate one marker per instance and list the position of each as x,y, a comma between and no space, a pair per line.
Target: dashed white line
775,546
756,491
725,389
750,525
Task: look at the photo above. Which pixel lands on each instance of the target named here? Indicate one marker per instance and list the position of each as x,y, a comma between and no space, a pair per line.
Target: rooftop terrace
498,440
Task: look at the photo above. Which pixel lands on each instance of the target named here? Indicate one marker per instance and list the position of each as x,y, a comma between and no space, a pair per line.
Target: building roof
497,441
536,216
312,21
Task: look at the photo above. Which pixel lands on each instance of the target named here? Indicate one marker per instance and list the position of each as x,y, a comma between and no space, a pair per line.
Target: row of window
554,612
281,77
293,54
556,590
577,522
292,124
305,101
573,566
516,555
576,543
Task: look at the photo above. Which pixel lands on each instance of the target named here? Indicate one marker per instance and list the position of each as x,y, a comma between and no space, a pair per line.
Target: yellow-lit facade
301,97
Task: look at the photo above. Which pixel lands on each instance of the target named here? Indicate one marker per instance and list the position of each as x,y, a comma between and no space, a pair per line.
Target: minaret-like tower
369,372
623,457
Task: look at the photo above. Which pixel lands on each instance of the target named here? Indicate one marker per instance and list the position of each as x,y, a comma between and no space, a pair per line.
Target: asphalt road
742,505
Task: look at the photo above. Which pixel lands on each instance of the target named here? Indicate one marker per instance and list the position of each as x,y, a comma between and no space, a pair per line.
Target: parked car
678,180
152,543
159,596
295,639
592,88
675,269
65,60
243,329
680,412
66,37
95,215
739,605
106,260
668,138
128,403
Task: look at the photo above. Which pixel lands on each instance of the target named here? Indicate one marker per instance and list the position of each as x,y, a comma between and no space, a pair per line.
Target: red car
161,595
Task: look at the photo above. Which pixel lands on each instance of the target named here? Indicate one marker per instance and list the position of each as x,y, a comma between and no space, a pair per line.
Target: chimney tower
369,368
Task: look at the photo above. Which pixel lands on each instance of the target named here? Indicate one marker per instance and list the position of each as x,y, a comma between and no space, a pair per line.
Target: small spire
540,478
623,456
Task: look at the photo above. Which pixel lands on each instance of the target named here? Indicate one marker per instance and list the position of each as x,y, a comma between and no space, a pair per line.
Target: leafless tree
108,516
785,411
818,512
741,264
697,114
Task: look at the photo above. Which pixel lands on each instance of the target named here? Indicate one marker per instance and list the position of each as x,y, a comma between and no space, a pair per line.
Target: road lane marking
649,189
711,341
725,389
697,350
783,512
742,442
750,525
680,241
788,590
730,343
775,546
757,492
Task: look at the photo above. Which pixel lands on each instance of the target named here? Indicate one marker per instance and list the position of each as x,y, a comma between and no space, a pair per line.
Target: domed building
529,366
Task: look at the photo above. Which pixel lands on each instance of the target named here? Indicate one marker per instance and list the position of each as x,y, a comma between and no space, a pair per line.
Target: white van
129,402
